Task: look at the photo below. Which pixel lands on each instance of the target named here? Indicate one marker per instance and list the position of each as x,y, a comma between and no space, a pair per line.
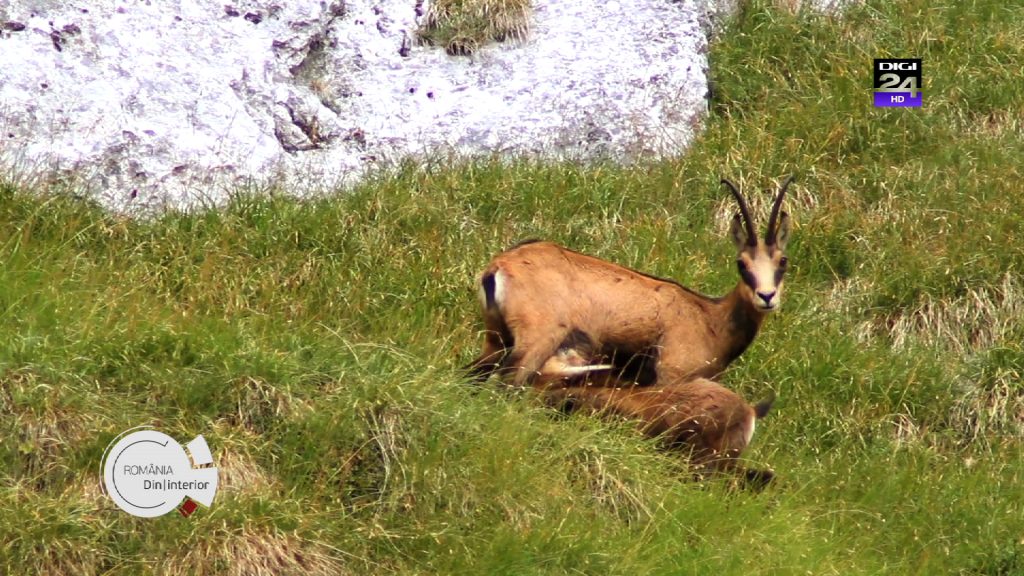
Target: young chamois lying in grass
710,422
535,294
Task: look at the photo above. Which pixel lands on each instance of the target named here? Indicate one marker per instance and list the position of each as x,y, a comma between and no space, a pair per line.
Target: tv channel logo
898,82
147,473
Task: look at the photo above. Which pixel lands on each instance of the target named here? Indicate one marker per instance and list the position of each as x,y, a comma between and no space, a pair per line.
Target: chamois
698,416
537,293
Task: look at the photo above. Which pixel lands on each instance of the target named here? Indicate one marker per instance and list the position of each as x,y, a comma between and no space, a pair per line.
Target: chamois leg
671,357
530,353
494,352
572,364
586,399
562,399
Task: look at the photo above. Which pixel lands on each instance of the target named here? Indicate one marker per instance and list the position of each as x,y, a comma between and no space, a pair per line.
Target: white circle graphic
147,473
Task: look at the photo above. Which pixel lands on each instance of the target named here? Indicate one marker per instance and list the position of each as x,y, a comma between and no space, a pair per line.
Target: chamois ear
782,231
738,232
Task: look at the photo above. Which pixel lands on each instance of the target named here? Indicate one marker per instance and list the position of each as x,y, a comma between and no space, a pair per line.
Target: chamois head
761,262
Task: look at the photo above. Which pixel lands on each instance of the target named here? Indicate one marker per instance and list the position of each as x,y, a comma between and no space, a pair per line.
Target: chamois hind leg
584,399
563,399
494,353
530,352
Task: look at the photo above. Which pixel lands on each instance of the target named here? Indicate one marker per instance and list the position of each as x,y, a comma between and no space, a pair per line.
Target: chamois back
536,294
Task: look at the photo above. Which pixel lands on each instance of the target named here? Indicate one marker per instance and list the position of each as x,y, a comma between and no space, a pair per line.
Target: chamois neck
739,321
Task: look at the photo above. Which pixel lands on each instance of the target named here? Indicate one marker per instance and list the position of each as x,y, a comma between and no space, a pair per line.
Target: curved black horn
770,235
744,211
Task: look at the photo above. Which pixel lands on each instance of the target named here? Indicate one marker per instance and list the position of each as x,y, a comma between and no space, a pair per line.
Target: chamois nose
766,296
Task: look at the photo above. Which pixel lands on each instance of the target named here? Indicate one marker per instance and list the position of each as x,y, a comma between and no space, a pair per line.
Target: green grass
315,343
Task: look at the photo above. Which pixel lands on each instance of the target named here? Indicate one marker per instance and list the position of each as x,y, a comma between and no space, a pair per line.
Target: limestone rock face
148,104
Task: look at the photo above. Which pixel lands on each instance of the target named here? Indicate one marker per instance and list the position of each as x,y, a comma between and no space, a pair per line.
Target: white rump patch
499,289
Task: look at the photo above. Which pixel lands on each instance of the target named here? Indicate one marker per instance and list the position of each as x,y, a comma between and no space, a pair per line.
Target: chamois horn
744,211
771,235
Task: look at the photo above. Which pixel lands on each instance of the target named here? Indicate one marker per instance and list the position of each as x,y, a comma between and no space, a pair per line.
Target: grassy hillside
315,344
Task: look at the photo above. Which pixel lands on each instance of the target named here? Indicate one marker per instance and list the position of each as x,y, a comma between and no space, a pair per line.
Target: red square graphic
188,508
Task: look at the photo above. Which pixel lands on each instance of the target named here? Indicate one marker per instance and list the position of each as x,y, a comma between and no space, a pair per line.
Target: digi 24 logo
898,82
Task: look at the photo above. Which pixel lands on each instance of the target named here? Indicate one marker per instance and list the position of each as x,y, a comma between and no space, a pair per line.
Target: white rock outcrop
148,104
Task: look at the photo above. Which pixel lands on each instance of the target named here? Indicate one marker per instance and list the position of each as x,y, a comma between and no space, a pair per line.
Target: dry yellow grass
259,404
44,429
801,203
463,26
240,474
977,320
255,553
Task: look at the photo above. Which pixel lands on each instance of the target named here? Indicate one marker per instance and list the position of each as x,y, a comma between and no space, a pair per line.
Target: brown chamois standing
700,417
537,293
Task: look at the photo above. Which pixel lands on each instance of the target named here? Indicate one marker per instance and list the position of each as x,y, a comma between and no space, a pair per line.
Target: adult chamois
537,294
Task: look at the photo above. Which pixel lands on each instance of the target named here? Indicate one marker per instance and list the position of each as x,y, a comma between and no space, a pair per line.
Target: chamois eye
741,265
783,262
